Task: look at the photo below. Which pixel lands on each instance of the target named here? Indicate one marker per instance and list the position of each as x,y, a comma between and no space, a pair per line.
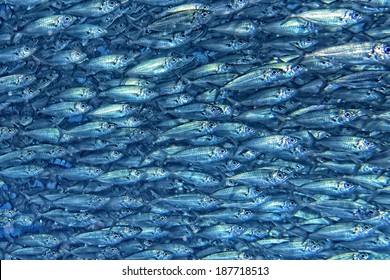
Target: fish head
130,231
244,214
209,202
65,20
278,177
9,131
82,107
352,17
201,17
360,256
211,181
245,131
115,155
232,165
261,199
288,142
123,61
365,145
245,256
26,51
61,42
312,247
305,42
107,127
346,116
25,79
286,92
180,37
345,187
382,52
182,250
109,5
211,111
364,213
29,93
96,31
24,220
163,255
185,98
249,155
297,69
362,230
271,74
220,153
52,241
249,26
57,151
77,56
236,230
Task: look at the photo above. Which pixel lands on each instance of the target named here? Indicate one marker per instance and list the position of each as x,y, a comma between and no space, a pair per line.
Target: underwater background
173,129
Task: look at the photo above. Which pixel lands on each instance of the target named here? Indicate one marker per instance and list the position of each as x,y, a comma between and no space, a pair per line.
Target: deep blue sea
186,130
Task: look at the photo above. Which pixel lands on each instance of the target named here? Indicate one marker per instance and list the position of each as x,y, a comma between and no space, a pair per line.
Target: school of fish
179,129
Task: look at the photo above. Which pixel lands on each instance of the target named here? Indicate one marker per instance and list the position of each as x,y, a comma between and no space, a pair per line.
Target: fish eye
204,14
142,132
366,227
387,50
304,149
274,72
292,140
364,256
356,15
112,3
279,175
347,115
67,18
